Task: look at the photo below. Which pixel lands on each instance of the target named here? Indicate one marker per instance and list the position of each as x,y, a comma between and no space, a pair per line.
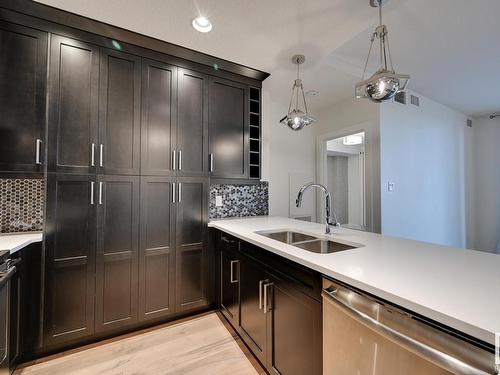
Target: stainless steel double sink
307,242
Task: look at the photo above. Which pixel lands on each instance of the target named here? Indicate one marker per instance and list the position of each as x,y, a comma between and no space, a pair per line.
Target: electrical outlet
218,201
390,187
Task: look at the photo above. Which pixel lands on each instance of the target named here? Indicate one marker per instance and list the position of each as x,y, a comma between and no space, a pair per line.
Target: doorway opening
345,179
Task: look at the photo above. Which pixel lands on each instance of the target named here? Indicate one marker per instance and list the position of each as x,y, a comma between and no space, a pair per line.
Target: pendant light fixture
385,83
297,118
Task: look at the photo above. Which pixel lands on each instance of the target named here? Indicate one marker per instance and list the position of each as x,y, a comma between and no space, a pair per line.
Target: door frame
372,170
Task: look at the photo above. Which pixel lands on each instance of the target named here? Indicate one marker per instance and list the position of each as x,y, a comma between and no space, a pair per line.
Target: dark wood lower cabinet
117,251
70,258
229,284
294,330
157,248
191,238
280,323
253,320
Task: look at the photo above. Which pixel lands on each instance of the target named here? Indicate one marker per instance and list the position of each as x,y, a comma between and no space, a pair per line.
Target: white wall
422,152
284,150
486,174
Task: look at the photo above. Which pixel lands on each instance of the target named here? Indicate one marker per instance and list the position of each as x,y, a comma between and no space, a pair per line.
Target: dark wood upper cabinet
73,112
117,251
228,128
119,113
157,248
191,242
70,258
192,130
159,118
294,327
23,77
229,278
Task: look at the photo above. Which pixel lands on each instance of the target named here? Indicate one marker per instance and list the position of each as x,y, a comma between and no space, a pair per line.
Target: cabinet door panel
291,308
117,251
73,112
228,126
191,242
156,260
119,118
70,259
23,71
159,103
229,279
253,321
192,134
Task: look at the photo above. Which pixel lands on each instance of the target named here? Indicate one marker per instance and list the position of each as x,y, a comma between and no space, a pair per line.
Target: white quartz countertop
16,241
455,287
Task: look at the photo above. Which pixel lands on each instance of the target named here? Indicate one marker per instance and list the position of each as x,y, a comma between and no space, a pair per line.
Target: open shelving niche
255,133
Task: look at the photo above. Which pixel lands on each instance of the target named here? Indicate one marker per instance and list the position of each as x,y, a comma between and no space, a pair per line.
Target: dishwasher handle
435,356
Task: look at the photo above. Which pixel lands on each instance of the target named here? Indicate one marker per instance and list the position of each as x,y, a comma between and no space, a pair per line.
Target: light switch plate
218,201
390,187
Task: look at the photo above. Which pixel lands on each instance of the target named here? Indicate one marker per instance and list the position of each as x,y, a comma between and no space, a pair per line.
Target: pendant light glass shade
385,83
297,118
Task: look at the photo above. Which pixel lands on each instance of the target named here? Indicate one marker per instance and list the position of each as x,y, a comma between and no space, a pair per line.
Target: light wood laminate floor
201,345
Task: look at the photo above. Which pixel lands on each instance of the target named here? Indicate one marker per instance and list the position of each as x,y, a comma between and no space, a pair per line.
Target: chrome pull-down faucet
331,218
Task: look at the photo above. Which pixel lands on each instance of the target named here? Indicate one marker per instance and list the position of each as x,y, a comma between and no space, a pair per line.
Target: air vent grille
400,97
415,100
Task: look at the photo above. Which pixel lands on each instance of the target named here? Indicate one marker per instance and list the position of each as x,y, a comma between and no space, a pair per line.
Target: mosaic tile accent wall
21,205
239,200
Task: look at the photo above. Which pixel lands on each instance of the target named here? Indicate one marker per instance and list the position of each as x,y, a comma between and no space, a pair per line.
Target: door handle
38,152
211,162
261,282
266,306
92,155
173,160
179,192
173,192
100,192
92,183
180,160
233,262
101,155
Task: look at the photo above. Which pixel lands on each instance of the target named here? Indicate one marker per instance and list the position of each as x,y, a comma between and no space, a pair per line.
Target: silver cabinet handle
233,280
179,193
211,162
180,160
260,293
266,306
173,192
38,152
100,192
101,155
92,183
261,282
173,160
429,353
92,155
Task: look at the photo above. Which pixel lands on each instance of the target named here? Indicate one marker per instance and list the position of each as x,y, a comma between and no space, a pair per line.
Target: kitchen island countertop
453,286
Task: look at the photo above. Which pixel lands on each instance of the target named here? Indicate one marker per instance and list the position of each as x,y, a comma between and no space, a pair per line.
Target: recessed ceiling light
351,140
202,24
312,93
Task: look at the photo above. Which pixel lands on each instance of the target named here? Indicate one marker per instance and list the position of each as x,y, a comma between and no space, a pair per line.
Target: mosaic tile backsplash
239,200
21,205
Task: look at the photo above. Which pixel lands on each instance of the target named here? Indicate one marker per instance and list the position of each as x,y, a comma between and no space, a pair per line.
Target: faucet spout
330,217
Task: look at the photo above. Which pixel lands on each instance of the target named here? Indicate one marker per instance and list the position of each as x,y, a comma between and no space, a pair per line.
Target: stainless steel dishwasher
364,336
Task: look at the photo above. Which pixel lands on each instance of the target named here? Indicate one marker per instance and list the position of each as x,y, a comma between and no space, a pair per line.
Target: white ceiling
450,47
